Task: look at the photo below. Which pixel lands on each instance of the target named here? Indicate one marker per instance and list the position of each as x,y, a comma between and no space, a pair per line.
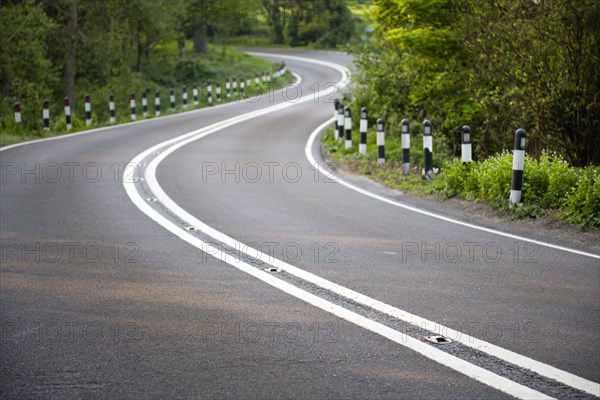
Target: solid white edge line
472,371
311,159
506,355
491,349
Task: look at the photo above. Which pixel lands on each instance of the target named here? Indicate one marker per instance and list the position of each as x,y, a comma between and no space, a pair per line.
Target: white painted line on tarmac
312,161
472,371
176,143
143,121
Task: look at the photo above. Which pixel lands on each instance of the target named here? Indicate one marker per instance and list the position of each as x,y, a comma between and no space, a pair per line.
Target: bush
582,205
458,179
493,178
549,183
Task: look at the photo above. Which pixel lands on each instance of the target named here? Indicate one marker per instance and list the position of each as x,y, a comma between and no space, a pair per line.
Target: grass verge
551,187
168,70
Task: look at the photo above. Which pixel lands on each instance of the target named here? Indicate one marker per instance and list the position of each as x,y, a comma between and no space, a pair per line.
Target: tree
541,59
495,65
24,60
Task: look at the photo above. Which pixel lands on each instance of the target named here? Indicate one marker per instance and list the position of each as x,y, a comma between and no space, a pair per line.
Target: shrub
493,178
582,205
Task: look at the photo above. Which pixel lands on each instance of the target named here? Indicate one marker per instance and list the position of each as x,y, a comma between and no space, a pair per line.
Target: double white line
164,149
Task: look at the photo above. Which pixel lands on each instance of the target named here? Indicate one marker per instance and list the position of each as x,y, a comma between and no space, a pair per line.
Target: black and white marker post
209,92
340,120
405,146
67,113
157,102
517,166
348,126
144,104
195,93
111,108
465,144
218,90
18,119
172,98
380,142
256,80
234,87
88,110
427,151
184,96
227,88
336,104
46,115
362,147
132,105
242,87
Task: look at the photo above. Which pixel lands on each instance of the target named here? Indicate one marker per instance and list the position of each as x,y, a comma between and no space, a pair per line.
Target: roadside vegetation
56,49
550,185
166,72
495,66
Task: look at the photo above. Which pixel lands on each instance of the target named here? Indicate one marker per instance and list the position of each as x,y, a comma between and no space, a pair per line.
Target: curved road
98,300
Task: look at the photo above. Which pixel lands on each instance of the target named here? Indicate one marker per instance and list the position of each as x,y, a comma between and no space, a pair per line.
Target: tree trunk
200,44
140,49
70,62
181,45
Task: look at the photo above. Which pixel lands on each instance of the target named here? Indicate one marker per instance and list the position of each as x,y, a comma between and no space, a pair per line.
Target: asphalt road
106,292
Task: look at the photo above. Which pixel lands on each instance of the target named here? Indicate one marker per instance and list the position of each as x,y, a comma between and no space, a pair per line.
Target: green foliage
219,63
549,183
321,23
494,65
582,205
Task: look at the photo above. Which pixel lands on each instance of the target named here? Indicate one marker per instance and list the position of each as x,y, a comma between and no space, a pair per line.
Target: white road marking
472,371
150,175
312,161
144,121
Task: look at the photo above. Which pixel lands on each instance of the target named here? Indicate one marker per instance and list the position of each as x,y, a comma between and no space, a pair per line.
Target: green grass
166,70
390,173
